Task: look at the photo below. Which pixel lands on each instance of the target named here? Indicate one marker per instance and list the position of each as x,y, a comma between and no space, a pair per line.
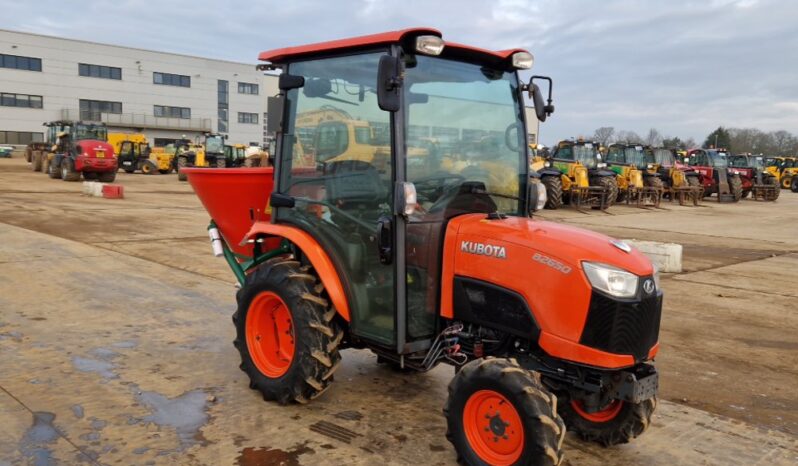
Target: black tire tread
610,183
736,187
317,333
553,186
631,422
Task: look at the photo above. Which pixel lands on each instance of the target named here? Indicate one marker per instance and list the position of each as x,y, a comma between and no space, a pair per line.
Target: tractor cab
585,178
637,181
397,218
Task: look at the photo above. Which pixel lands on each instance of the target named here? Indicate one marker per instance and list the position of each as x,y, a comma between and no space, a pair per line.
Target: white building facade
163,95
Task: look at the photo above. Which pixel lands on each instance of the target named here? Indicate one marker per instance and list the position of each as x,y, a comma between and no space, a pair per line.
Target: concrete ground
115,343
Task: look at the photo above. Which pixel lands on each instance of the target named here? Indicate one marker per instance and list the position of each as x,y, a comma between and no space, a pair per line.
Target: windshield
635,156
583,153
214,144
464,125
82,131
663,157
720,159
739,161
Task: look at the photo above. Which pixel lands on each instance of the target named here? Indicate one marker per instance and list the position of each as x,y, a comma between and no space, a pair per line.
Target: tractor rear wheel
107,177
736,187
786,181
286,332
181,163
53,170
553,186
610,184
500,414
148,167
221,163
36,160
68,172
618,422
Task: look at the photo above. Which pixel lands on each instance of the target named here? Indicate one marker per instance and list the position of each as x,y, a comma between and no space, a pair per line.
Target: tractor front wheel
53,170
148,167
618,422
736,187
286,332
793,185
221,163
107,177
553,186
500,414
68,172
36,160
610,185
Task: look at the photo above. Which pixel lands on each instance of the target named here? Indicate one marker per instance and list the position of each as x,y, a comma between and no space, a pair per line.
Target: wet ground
115,343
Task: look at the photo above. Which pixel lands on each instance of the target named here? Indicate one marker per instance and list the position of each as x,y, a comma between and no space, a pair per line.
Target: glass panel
157,78
38,137
186,113
22,101
185,81
341,194
35,64
482,143
10,61
2,133
22,63
8,100
83,69
116,73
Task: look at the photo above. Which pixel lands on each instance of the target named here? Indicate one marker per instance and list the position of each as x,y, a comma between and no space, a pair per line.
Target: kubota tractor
636,182
715,174
437,261
576,172
679,181
755,178
77,148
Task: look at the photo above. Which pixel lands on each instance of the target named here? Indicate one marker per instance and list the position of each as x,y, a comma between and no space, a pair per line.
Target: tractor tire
499,413
181,163
610,184
286,332
29,154
655,182
793,185
165,172
746,192
53,170
129,170
106,177
786,182
553,186
148,168
618,423
68,172
221,163
37,160
736,187
90,176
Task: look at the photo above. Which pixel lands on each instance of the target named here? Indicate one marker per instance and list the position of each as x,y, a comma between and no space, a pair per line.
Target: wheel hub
493,428
270,334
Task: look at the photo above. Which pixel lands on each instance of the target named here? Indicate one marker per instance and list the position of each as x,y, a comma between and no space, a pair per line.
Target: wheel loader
546,325
74,149
636,182
680,181
208,154
715,174
787,168
576,174
133,153
756,180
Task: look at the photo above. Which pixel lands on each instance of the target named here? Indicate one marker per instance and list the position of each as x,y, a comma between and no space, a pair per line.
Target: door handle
385,240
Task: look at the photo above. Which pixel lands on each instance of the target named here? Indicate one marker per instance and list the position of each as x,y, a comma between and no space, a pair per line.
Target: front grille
622,327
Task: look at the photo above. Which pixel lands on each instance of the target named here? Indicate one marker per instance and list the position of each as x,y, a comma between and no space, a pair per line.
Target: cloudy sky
683,67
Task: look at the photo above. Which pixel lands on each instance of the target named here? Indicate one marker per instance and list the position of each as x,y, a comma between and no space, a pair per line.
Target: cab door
342,199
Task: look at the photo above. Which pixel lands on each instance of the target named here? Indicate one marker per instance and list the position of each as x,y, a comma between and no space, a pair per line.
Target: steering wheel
510,139
432,190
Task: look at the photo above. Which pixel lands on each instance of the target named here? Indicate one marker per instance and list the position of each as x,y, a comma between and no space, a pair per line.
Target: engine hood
567,244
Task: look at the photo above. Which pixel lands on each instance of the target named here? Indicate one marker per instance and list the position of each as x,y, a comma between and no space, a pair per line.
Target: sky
684,67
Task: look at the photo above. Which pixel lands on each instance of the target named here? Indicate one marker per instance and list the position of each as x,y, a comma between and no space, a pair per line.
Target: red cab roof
451,49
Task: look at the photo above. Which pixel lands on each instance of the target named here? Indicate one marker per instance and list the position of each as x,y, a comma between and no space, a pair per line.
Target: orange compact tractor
409,234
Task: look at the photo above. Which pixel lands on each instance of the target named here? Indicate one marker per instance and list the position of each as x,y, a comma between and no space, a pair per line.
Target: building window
99,71
248,118
20,100
20,137
172,112
247,88
171,79
223,104
92,109
20,63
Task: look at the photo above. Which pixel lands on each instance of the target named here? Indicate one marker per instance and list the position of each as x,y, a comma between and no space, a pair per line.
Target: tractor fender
315,253
549,172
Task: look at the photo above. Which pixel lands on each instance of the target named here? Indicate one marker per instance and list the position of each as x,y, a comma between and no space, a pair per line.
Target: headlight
611,280
430,45
656,276
541,196
650,166
546,164
523,60
601,165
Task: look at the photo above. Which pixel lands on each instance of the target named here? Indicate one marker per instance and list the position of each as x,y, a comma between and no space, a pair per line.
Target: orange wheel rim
605,415
270,334
493,428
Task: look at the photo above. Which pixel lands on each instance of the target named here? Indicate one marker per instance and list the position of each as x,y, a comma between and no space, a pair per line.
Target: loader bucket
234,198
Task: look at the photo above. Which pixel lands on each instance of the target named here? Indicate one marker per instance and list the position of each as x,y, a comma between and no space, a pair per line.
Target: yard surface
116,342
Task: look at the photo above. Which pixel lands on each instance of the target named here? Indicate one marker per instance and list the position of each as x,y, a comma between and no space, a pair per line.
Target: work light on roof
523,60
430,45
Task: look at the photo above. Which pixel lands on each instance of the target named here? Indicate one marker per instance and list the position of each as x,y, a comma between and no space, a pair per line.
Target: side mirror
541,110
388,83
274,114
687,160
536,194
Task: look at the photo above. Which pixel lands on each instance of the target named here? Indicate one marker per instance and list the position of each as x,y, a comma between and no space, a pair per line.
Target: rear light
523,60
430,45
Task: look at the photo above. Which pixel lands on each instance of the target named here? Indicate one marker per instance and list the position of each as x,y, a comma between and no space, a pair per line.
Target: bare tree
653,138
604,135
629,136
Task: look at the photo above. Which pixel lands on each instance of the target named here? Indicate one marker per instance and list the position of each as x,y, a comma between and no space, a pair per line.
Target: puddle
104,368
41,433
185,413
265,456
77,410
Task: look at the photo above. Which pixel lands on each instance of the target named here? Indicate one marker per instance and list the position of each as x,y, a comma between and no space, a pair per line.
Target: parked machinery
636,183
235,154
133,153
74,148
715,174
436,263
755,178
208,154
576,174
787,169
679,180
